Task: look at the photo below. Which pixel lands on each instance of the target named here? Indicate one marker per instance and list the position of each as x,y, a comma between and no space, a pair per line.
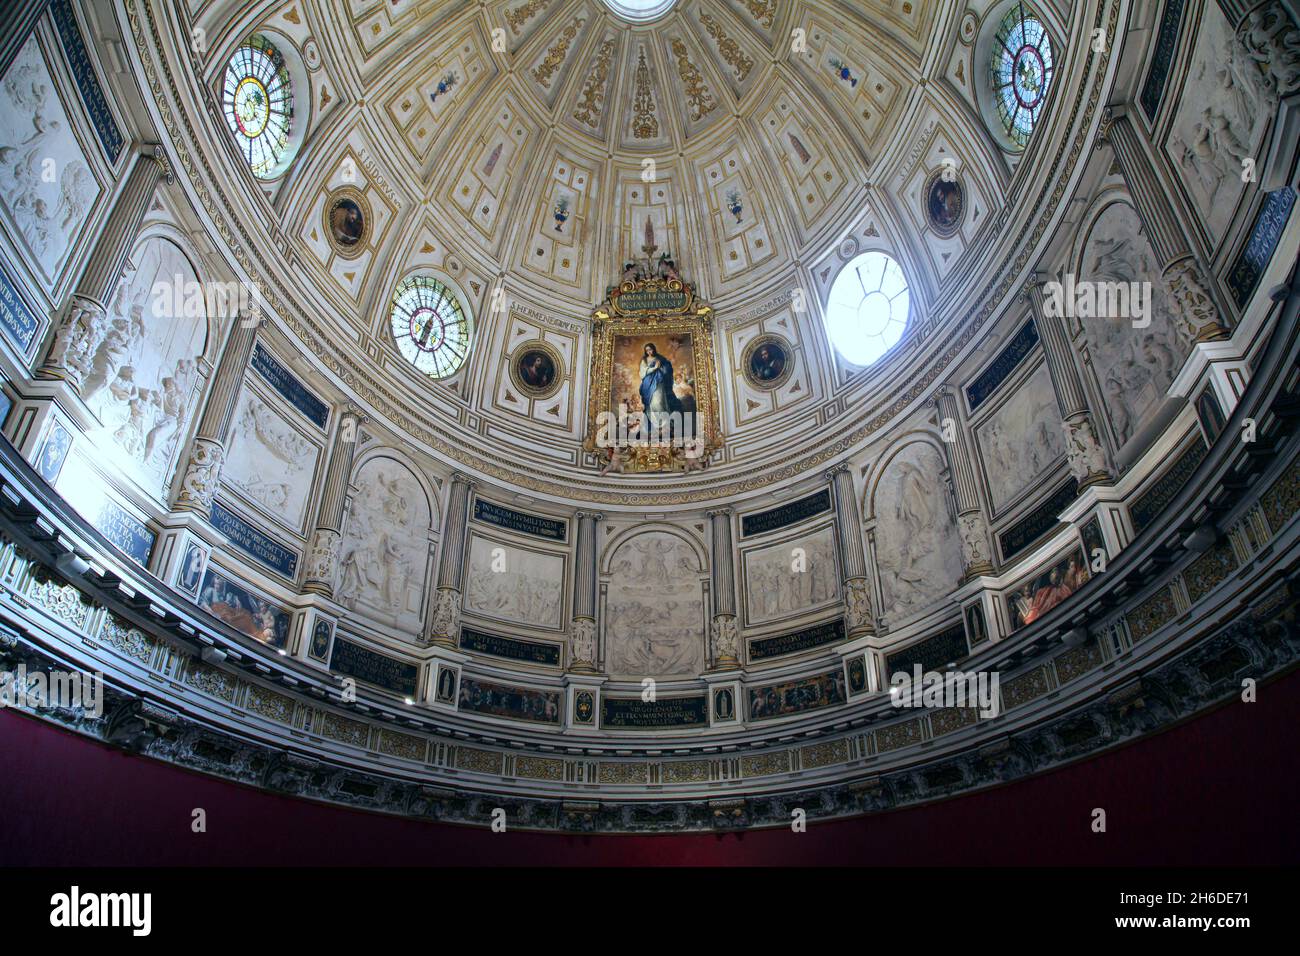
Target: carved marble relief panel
385,556
1133,367
270,461
144,376
1022,439
1220,121
791,578
46,183
654,608
918,552
514,584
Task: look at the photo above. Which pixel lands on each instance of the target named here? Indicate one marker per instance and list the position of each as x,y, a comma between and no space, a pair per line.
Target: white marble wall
654,609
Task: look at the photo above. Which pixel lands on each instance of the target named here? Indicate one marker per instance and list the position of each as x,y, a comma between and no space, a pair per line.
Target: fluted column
451,563
323,556
1181,273
971,523
202,472
582,652
86,324
859,619
724,636
20,20
1087,459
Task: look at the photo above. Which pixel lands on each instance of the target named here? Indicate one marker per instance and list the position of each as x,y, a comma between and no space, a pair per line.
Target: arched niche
386,556
146,376
916,548
655,614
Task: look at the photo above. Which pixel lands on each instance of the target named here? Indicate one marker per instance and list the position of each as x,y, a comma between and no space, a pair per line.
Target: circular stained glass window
257,98
867,310
430,326
1022,70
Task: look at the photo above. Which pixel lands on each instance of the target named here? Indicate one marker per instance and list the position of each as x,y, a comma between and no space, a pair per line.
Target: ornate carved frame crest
653,306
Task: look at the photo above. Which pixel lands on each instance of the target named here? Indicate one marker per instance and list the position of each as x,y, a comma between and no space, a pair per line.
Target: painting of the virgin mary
657,396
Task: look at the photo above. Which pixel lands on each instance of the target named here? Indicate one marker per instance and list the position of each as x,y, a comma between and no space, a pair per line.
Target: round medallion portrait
945,202
537,370
767,362
347,221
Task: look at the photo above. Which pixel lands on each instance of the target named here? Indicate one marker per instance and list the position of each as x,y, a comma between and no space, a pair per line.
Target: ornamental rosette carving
202,475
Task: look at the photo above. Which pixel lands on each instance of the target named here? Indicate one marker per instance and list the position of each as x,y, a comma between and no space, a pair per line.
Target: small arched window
430,326
868,306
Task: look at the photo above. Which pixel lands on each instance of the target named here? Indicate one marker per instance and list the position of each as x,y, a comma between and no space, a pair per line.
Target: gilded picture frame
662,312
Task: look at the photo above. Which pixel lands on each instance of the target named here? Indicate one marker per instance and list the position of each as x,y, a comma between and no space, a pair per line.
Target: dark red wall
1221,789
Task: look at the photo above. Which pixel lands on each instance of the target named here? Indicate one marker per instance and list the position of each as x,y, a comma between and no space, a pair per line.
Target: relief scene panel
37,139
654,610
142,377
270,461
384,558
786,579
1134,366
1022,439
918,553
514,584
